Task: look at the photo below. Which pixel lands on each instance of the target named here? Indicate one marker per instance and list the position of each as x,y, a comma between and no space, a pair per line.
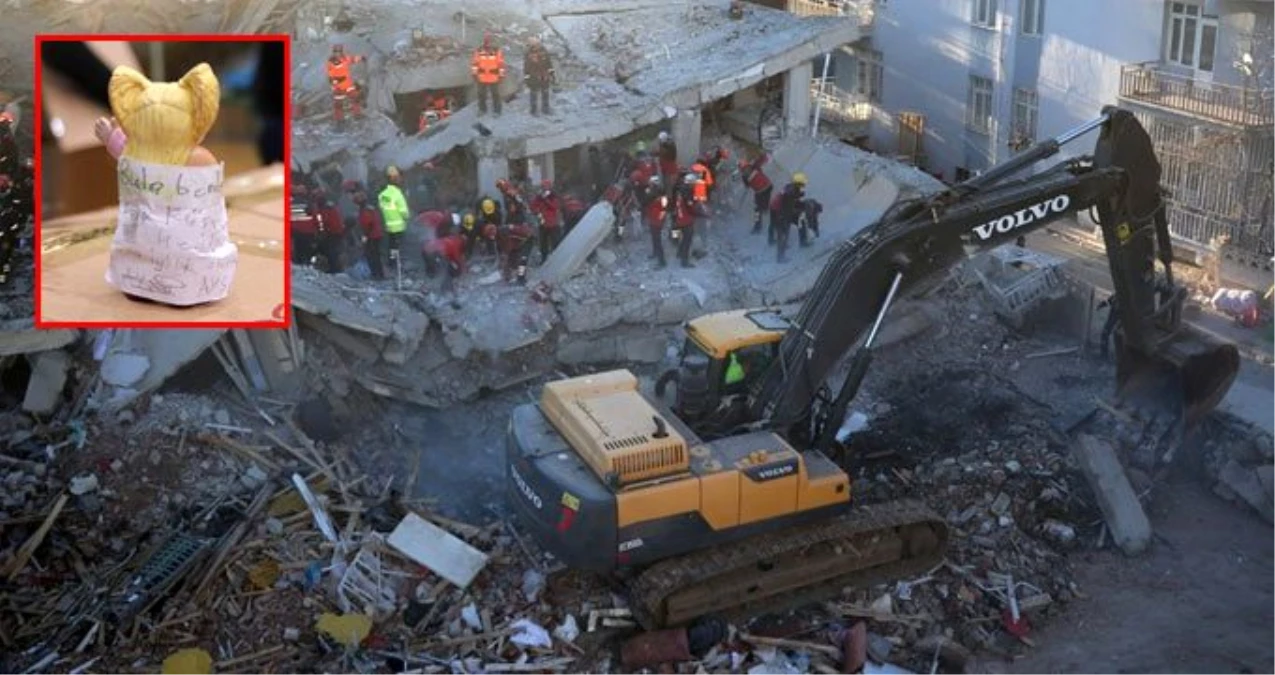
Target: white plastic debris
533,582
529,634
84,484
321,519
470,616
568,630
855,422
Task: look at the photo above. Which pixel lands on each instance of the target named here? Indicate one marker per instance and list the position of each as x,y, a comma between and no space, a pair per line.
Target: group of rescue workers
487,66
668,196
652,188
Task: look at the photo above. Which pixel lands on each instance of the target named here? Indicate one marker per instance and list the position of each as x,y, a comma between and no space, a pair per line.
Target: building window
1023,133
832,67
1192,37
978,108
984,13
1032,16
868,74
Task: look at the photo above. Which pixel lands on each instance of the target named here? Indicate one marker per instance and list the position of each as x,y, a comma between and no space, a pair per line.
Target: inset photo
161,183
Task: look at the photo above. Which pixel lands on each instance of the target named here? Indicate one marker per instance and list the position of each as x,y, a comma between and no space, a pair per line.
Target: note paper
172,243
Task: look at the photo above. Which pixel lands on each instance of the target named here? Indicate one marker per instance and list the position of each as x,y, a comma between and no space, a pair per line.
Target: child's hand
102,128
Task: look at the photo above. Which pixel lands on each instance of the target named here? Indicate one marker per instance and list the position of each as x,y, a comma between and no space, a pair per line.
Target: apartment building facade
956,86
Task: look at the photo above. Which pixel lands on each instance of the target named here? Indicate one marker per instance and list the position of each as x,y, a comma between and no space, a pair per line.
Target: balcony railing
840,107
1151,83
863,9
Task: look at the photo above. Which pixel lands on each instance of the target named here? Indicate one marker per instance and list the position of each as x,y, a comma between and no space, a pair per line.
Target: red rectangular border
282,315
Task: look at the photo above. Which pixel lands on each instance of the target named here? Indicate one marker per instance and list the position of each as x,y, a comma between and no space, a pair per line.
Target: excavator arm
917,240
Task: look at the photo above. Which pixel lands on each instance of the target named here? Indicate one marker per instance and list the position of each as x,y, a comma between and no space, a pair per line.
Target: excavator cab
722,357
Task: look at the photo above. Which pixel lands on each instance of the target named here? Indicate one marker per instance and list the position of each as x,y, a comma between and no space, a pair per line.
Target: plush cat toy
172,243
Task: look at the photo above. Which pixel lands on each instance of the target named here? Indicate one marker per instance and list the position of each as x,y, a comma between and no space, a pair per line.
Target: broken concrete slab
22,337
1121,510
124,369
48,379
365,310
1247,484
166,351
641,346
570,255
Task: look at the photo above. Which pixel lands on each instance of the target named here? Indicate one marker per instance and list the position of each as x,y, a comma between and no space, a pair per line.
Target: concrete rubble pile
594,302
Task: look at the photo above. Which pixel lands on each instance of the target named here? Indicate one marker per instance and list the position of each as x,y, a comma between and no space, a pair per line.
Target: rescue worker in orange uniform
702,186
488,68
344,90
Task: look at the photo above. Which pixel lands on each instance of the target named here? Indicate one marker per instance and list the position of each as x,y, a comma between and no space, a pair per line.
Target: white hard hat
655,180
663,135
455,219
690,178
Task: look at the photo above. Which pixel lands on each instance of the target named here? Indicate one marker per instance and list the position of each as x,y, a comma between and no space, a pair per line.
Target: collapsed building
622,68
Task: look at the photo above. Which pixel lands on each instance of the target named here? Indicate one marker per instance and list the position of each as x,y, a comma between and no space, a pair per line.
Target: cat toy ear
125,90
205,94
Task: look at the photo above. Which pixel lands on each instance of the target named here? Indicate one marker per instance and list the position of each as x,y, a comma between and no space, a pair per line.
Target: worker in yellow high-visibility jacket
395,214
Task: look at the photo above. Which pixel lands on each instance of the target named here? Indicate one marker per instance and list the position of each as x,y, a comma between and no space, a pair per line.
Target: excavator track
784,570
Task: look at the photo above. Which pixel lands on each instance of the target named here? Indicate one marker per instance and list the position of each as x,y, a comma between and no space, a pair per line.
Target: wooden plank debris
33,542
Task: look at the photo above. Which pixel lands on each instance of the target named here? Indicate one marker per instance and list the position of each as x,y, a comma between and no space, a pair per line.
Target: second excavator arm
918,239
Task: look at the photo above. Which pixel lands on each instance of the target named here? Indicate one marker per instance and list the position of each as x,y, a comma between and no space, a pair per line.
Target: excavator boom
918,239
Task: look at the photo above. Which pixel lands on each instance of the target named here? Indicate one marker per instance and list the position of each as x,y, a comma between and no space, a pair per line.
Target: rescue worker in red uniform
684,214
488,69
303,224
344,90
490,221
548,210
432,222
538,73
331,233
654,211
516,241
436,110
757,181
791,203
573,209
667,152
369,218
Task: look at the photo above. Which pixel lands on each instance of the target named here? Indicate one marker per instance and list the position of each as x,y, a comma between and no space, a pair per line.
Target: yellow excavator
727,502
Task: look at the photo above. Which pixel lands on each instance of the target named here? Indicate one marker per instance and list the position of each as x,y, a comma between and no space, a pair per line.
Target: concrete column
686,133
540,167
797,98
491,169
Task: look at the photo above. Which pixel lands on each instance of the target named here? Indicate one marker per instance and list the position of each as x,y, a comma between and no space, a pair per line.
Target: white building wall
930,49
1081,58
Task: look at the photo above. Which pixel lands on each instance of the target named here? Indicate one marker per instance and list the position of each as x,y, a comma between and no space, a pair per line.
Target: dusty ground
1198,602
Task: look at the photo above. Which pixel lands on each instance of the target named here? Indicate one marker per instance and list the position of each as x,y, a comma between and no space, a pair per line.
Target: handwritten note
172,243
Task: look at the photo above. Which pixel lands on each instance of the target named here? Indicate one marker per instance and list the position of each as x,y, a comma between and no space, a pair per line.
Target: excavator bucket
1186,378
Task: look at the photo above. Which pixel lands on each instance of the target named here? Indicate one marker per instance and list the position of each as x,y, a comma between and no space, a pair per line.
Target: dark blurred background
78,173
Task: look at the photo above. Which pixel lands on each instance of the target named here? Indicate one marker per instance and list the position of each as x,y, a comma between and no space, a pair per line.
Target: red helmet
546,184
